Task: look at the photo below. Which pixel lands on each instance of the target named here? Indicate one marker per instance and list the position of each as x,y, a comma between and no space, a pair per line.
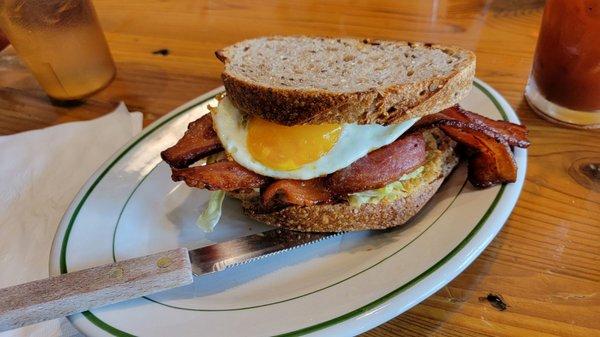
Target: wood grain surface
544,265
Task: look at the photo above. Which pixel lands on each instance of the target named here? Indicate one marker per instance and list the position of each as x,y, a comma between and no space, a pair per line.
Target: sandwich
329,135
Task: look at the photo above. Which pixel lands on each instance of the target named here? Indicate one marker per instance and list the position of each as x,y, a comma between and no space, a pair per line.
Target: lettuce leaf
211,215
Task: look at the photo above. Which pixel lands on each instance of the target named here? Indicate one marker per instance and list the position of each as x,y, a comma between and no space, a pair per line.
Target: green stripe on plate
102,325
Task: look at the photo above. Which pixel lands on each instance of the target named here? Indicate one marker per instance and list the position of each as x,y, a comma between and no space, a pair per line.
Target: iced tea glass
62,44
564,85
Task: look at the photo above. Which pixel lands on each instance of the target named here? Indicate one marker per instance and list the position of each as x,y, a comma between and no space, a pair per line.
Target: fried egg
300,151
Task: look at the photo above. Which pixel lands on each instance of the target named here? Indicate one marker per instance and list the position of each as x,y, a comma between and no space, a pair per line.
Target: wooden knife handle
78,291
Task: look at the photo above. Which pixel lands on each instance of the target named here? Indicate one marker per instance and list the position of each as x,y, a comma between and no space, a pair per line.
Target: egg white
355,141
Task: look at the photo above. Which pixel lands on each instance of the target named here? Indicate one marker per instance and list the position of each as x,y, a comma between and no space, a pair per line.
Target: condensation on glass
61,42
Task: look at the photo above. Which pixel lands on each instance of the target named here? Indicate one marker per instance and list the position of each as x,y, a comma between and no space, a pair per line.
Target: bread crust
343,217
381,105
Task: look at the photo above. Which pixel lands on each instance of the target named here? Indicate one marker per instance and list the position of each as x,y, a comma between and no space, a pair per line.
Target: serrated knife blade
81,290
220,256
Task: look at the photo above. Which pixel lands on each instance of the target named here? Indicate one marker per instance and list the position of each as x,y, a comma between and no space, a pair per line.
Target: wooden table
545,263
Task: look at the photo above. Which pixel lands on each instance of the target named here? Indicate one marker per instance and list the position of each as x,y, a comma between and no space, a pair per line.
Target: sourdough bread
309,80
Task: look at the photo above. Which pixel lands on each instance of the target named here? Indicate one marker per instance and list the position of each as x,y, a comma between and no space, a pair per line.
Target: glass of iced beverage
564,85
61,42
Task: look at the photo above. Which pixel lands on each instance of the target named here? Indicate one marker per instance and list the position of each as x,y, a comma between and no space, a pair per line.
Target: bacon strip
375,170
502,131
492,162
296,192
199,141
224,175
381,166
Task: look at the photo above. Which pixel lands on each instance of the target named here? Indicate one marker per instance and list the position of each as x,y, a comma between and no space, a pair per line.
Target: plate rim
58,265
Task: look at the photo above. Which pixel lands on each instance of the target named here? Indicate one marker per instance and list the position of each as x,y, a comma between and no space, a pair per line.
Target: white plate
341,286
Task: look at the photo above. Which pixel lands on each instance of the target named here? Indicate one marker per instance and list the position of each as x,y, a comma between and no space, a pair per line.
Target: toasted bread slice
345,217
307,80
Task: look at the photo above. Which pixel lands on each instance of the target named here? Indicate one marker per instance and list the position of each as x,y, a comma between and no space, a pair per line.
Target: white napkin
40,173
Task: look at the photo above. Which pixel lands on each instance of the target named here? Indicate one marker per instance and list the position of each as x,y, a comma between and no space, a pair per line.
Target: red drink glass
564,85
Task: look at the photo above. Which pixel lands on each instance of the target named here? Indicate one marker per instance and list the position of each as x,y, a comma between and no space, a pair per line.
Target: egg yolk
287,148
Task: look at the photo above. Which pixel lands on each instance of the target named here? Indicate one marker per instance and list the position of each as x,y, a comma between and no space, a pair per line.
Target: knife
74,292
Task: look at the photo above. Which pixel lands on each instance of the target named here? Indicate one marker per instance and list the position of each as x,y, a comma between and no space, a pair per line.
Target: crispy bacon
492,162
296,192
199,141
380,167
502,131
224,175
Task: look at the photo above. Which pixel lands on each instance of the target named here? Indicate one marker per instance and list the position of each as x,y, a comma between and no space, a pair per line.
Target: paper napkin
41,171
